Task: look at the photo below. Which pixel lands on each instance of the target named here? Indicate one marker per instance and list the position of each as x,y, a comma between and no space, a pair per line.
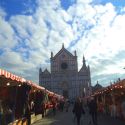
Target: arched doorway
64,86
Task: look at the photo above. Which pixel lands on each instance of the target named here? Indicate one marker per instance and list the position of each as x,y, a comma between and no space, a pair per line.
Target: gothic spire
40,70
88,69
97,82
84,61
75,53
51,54
63,45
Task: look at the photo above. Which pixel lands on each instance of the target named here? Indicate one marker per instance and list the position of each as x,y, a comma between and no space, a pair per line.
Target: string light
8,84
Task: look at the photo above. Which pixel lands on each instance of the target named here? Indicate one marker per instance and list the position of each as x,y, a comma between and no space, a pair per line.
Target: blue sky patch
48,24
15,7
67,3
1,51
117,3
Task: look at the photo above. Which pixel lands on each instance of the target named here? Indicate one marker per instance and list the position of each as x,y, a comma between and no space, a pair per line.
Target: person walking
93,110
67,104
78,110
54,103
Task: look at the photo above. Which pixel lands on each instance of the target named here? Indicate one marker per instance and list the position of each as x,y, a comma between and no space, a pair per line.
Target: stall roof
35,85
10,78
117,86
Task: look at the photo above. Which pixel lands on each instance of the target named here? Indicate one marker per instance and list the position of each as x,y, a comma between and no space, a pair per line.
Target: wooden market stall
18,95
112,95
10,93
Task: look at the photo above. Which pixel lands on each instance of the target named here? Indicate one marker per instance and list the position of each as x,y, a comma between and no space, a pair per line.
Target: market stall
109,99
21,100
10,87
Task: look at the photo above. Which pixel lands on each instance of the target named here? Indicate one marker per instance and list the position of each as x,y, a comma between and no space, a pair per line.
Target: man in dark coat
78,110
93,110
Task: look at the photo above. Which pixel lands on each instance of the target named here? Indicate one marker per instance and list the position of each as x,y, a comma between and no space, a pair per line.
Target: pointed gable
63,52
46,72
83,69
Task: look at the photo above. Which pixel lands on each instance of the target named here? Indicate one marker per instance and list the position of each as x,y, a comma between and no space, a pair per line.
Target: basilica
64,77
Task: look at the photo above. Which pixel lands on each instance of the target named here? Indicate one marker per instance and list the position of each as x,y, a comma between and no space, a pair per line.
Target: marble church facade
64,77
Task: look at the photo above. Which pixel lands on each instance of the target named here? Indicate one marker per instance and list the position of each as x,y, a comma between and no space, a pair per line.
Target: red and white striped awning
35,85
7,74
11,76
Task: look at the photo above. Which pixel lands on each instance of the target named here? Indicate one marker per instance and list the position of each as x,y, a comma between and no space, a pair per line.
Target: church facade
64,77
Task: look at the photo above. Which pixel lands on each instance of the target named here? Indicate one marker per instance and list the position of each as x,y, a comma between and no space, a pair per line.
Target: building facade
64,77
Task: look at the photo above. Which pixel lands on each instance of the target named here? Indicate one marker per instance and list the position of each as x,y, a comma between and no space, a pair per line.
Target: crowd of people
91,107
78,108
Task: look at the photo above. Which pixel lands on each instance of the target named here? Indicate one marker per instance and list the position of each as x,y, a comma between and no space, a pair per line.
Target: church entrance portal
64,86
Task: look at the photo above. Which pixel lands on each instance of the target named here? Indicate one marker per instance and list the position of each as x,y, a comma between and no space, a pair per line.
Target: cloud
95,30
2,13
7,34
104,40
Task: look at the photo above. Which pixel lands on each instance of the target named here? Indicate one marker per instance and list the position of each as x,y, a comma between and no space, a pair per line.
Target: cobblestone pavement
67,118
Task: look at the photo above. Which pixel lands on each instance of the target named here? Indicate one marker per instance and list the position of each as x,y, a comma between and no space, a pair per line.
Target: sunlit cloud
93,30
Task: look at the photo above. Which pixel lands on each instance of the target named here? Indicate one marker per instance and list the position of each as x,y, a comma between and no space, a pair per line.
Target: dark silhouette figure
67,104
43,109
61,105
28,113
93,110
78,110
54,106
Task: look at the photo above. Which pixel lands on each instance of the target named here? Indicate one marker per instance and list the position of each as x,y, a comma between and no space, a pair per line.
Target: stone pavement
67,118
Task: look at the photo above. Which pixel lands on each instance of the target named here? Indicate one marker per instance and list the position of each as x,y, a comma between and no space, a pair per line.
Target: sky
31,29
